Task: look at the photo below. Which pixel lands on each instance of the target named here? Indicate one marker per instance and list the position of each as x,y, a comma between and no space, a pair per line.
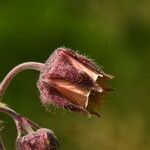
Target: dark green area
116,34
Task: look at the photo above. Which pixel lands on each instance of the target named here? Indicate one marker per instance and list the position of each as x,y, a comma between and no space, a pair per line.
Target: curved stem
24,66
23,124
10,112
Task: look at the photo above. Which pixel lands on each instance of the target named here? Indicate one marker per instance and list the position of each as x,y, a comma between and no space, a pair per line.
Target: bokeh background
116,34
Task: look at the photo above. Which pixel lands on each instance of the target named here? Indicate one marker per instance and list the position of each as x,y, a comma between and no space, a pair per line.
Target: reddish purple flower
72,81
42,139
30,135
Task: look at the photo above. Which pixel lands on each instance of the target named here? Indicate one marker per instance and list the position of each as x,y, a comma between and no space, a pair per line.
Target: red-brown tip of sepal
42,139
72,81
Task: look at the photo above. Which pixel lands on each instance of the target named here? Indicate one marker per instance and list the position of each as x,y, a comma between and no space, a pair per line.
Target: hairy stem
10,112
24,66
23,124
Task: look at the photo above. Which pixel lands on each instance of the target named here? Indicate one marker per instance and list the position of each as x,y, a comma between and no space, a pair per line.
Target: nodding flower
72,81
30,135
42,139
67,80
33,137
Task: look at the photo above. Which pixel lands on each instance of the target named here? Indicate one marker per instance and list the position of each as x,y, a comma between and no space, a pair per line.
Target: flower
32,137
42,139
72,81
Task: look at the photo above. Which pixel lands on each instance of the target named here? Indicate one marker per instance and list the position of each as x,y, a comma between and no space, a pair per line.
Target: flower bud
72,81
32,137
42,139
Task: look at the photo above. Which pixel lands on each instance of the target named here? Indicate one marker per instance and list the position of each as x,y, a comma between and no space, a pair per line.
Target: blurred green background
116,34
